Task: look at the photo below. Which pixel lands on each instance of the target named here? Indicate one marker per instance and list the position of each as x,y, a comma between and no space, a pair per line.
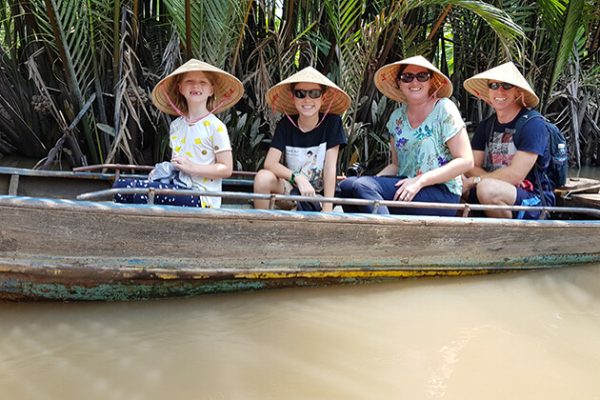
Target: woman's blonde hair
436,83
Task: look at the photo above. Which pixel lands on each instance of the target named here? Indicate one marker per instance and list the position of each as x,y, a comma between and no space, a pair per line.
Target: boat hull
77,250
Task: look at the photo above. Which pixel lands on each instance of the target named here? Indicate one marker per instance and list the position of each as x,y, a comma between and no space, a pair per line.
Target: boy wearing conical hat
302,159
201,150
505,170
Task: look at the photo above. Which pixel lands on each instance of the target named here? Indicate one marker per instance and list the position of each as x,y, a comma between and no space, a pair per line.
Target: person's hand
182,164
469,183
407,189
304,186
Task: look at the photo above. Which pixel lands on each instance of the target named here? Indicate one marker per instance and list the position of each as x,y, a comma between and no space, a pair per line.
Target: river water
530,335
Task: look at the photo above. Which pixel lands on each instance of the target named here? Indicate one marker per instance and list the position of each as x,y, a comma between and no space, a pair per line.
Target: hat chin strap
522,98
435,92
226,97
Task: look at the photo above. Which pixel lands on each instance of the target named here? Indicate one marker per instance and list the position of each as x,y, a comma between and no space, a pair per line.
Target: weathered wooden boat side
79,250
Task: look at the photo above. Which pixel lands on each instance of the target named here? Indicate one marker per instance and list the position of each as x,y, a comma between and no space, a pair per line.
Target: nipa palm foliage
95,63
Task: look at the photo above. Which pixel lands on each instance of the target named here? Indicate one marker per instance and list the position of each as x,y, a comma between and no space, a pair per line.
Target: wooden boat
62,249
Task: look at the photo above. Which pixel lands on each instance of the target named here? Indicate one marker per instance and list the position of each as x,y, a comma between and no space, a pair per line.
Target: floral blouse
424,148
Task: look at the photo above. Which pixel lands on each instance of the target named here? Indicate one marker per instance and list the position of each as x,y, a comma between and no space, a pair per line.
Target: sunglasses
496,85
408,77
313,93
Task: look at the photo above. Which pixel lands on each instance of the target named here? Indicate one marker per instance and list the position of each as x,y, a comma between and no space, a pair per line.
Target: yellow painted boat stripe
355,274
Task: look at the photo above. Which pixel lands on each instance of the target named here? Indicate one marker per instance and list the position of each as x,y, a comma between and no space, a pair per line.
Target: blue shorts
524,198
384,188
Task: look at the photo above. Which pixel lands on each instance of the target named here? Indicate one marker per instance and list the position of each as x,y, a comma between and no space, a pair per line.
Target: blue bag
557,169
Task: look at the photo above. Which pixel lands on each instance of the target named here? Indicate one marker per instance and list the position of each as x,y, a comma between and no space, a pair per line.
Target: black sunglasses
496,85
313,93
408,77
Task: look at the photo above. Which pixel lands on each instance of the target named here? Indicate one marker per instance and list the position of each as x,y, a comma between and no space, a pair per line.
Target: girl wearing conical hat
201,150
429,146
504,172
303,155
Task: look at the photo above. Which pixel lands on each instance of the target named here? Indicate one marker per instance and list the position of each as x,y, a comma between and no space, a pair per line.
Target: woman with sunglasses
302,159
429,146
505,160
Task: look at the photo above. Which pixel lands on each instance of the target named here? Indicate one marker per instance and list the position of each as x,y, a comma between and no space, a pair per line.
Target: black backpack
557,168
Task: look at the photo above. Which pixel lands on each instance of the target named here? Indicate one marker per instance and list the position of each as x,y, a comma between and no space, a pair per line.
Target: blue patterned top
424,149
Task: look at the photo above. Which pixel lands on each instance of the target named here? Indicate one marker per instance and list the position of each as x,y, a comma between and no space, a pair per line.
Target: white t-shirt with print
201,142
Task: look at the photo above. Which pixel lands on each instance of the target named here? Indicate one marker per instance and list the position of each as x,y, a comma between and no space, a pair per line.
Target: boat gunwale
88,174
165,211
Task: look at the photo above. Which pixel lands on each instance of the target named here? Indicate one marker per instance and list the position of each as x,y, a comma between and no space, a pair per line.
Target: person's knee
362,184
491,191
346,187
264,180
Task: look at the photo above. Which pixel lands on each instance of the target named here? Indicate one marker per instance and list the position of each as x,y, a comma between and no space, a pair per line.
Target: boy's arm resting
329,175
522,162
273,164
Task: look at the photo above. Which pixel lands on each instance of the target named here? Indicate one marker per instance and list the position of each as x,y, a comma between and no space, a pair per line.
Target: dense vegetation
76,75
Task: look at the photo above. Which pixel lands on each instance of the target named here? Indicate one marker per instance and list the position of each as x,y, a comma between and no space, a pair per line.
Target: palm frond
563,18
216,26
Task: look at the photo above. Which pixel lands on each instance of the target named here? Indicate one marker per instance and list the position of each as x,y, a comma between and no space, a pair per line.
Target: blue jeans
383,188
183,200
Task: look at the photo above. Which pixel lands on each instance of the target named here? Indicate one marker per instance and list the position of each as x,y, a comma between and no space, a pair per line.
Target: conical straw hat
279,97
228,90
507,72
386,79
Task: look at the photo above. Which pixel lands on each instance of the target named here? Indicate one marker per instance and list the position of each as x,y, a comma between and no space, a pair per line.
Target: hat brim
280,97
386,79
508,72
228,90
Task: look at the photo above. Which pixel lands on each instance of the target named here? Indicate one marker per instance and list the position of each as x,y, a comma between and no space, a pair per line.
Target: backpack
557,168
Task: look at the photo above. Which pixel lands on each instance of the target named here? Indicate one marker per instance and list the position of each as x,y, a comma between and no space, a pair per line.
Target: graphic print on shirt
308,161
501,150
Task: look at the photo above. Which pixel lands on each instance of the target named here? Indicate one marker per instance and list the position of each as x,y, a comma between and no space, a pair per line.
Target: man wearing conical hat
505,171
302,159
200,146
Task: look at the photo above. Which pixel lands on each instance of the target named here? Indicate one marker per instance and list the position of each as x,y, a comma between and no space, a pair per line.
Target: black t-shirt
304,152
503,143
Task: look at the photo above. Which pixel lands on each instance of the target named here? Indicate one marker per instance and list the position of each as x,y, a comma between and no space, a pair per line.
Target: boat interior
578,199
